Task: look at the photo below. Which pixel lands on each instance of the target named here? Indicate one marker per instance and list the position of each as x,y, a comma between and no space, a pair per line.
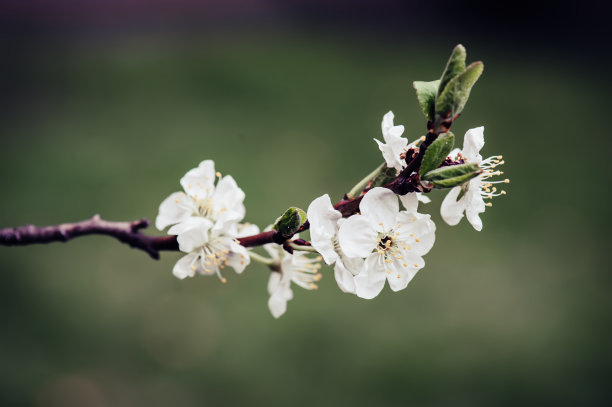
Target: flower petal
371,281
451,209
200,181
186,266
401,275
380,207
344,278
410,201
417,232
174,209
473,141
323,220
357,237
238,257
277,303
191,233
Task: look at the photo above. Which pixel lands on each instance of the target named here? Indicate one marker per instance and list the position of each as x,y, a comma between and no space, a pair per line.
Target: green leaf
290,221
451,176
437,152
426,94
454,66
454,97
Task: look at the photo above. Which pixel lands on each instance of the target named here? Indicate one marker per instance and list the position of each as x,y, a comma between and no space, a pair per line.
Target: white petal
183,267
228,195
247,229
357,237
197,180
174,209
410,201
277,303
475,207
401,275
323,220
472,143
371,281
423,198
451,209
388,153
344,278
238,257
387,122
417,232
380,207
191,233
273,282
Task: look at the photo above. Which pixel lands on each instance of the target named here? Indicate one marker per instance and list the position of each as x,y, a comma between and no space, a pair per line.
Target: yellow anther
414,219
399,276
380,224
313,286
218,174
489,204
388,271
318,277
503,192
223,280
416,265
177,200
422,138
507,181
405,264
417,240
218,240
319,258
242,262
207,271
192,268
499,157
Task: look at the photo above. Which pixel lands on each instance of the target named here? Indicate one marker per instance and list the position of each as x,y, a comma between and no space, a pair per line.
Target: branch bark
125,232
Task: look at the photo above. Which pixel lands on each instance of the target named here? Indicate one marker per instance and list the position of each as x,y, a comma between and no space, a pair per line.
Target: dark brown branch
125,232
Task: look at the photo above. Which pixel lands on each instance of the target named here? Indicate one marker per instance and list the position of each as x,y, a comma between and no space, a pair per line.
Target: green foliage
437,152
453,98
454,66
446,97
451,176
426,94
289,223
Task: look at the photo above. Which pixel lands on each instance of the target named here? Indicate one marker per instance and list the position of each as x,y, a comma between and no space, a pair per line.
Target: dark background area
106,104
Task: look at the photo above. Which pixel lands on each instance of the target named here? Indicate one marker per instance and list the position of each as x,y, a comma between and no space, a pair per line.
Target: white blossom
391,241
469,198
221,203
295,268
209,251
324,224
394,144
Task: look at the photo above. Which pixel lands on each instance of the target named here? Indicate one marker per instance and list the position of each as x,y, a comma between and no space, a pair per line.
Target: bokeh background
106,104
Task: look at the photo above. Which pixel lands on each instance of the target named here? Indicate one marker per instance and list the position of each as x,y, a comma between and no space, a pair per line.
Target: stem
299,247
261,259
364,182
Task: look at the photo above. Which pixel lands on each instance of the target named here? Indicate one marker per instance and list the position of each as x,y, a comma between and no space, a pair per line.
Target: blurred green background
516,314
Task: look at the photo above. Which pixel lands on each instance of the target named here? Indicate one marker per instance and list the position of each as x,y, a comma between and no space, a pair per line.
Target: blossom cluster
378,243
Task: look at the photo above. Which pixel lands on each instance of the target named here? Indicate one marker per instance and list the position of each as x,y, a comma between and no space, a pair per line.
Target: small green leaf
437,152
451,176
454,66
426,94
290,221
453,98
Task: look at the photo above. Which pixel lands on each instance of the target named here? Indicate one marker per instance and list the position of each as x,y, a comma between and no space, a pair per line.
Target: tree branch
125,232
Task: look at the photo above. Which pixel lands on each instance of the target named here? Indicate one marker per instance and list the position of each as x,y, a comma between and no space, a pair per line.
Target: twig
125,232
